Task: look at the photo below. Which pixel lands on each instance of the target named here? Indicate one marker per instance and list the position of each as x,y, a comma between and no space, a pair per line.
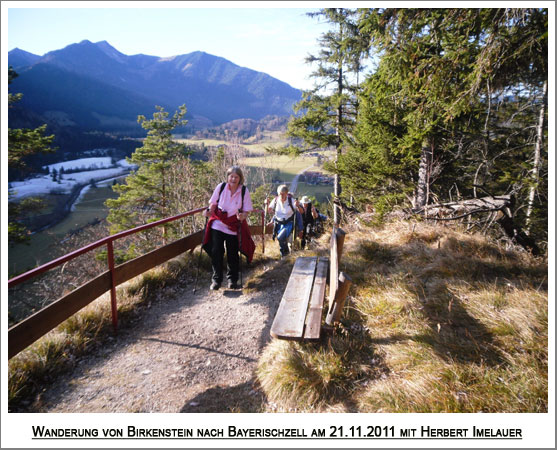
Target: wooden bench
299,315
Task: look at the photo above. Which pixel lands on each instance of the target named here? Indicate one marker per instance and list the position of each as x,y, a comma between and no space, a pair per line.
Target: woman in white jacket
284,209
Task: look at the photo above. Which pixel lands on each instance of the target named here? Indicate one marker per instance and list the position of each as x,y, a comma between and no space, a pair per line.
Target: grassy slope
436,321
258,157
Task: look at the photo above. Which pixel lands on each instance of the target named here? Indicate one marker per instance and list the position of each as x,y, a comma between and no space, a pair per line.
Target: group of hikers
227,227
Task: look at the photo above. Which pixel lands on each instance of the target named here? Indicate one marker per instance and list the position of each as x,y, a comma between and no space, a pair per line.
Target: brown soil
185,352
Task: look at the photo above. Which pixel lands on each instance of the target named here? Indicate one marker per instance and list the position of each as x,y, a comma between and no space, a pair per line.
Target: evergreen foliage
22,143
328,111
454,109
145,196
167,182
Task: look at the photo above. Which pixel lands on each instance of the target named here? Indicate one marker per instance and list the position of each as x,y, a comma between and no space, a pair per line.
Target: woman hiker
284,209
226,225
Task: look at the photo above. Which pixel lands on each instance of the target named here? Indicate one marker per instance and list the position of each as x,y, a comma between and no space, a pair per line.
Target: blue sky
271,37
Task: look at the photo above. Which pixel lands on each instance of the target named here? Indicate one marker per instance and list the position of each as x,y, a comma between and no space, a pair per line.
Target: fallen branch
466,207
500,206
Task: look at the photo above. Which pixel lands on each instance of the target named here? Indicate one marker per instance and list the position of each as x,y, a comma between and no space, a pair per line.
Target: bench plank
291,314
313,320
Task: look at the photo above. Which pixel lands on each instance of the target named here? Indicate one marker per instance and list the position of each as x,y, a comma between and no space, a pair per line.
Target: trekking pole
200,251
265,206
240,254
294,226
265,212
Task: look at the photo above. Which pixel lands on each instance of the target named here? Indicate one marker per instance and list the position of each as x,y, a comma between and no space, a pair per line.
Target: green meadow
44,245
287,166
321,193
270,138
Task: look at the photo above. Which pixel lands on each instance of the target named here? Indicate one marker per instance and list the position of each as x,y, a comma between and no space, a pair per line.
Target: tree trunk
422,193
537,160
164,201
514,232
337,186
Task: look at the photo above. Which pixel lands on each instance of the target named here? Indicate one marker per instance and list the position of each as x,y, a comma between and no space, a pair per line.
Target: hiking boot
233,285
215,285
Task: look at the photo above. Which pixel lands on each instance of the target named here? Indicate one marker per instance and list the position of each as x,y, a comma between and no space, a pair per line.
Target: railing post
110,256
20,336
263,231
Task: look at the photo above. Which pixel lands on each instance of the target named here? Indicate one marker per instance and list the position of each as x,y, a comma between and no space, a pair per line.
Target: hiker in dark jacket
284,209
228,208
309,216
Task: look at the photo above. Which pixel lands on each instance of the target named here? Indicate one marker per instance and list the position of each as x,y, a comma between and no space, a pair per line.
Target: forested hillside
428,106
93,86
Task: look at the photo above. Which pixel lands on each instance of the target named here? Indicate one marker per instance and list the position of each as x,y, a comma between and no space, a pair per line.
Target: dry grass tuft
307,377
451,322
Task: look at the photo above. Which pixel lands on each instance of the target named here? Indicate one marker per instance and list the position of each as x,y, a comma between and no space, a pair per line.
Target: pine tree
427,56
328,110
23,142
514,63
451,107
144,197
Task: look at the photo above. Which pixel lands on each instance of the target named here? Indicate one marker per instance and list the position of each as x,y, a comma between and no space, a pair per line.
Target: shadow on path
242,398
199,347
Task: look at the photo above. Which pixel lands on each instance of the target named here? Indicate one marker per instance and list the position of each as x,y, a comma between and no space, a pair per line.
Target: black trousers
219,240
307,232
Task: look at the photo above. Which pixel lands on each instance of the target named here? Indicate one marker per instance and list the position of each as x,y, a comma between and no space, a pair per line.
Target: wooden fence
37,325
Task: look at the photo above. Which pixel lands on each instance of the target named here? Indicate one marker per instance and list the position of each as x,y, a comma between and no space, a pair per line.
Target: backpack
294,210
223,185
297,216
308,214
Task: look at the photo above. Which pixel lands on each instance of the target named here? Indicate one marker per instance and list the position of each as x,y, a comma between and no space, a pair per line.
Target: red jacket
246,244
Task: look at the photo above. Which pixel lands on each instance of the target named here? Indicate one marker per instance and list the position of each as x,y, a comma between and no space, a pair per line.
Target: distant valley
90,95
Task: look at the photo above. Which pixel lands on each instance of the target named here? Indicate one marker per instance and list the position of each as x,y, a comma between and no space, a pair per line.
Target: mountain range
93,86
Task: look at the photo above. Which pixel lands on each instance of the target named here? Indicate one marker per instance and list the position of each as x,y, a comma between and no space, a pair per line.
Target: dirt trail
185,352
293,187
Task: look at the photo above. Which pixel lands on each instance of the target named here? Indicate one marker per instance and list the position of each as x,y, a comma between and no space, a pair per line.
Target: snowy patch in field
38,186
85,164
80,197
88,176
44,185
82,164
124,163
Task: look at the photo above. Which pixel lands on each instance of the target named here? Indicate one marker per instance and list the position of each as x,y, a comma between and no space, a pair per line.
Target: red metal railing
109,242
109,239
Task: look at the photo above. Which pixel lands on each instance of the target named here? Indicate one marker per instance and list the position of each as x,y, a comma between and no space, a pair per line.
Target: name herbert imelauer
432,432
